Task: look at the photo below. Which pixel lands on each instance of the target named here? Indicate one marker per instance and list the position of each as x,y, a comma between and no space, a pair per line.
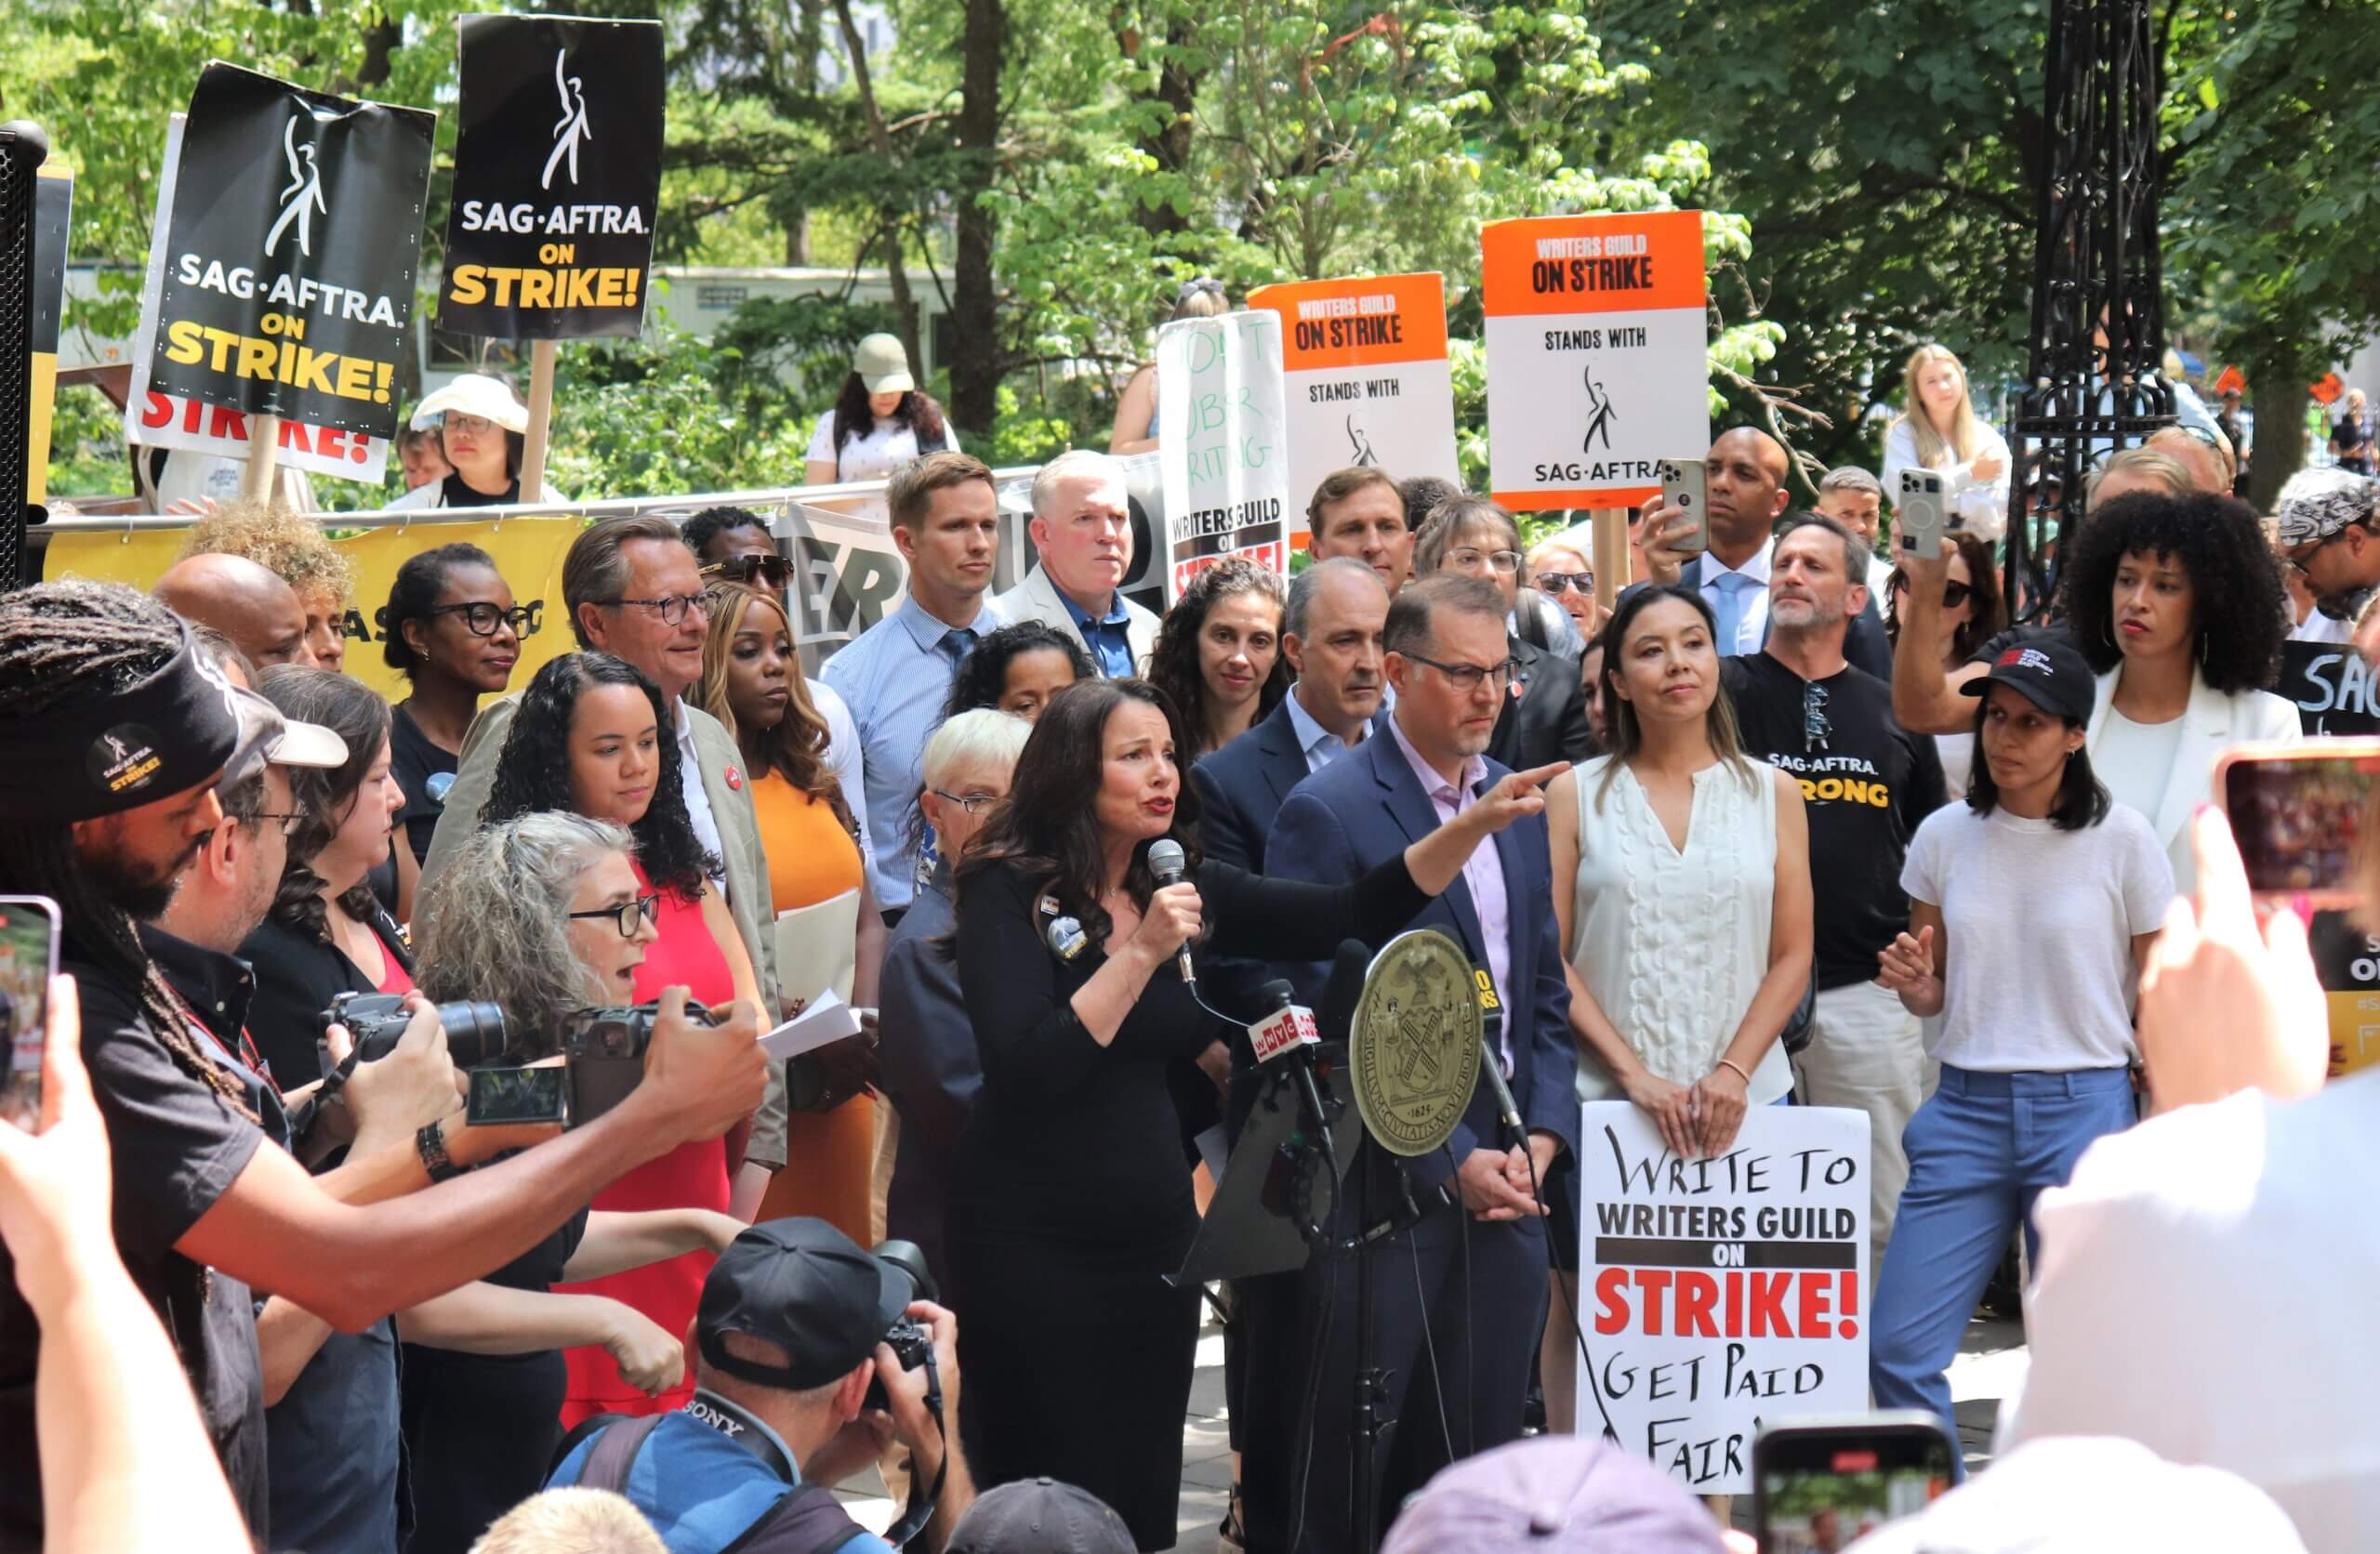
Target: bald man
255,609
1744,479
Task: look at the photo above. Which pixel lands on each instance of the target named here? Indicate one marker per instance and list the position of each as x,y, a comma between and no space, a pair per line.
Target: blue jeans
1980,1151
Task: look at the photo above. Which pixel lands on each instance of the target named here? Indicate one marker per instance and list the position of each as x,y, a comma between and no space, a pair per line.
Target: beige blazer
2211,721
1037,599
746,862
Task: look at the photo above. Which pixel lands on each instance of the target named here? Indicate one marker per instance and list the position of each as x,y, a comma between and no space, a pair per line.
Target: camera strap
714,1412
919,1510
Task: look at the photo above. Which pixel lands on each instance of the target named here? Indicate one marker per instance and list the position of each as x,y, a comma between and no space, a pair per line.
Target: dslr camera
474,1031
911,1344
603,1052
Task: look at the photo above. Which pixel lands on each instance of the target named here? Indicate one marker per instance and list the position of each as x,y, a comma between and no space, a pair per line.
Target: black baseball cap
2048,672
1039,1516
177,728
806,1287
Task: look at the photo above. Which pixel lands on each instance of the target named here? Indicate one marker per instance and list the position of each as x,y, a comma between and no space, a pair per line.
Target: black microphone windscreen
1345,986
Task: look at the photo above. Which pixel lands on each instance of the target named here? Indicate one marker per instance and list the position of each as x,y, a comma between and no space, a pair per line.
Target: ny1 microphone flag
557,178
287,285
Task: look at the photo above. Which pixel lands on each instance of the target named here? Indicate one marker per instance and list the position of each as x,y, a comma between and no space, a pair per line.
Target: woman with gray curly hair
541,915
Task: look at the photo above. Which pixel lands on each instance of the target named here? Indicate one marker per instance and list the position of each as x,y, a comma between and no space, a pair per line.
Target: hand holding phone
1819,1484
29,935
1920,514
1683,487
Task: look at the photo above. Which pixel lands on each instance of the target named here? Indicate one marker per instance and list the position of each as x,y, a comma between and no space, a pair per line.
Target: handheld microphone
1289,1029
1166,864
1492,1031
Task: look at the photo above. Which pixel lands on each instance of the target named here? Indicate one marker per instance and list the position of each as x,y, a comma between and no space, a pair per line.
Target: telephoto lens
377,1022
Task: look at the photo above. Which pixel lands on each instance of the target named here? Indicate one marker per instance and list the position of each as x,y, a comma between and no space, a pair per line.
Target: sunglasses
1560,582
773,570
1954,593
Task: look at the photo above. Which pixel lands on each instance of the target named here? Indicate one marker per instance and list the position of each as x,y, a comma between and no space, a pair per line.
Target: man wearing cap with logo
791,1334
124,742
483,431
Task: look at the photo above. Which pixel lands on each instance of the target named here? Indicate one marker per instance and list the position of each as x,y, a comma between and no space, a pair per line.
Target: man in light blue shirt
1082,531
896,675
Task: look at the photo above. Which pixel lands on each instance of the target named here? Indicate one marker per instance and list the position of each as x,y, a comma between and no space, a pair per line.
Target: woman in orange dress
752,683
593,738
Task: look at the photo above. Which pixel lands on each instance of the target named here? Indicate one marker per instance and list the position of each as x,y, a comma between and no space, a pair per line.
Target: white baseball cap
882,365
474,394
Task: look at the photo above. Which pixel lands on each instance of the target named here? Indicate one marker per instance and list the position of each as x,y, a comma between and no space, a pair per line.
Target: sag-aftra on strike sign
1595,335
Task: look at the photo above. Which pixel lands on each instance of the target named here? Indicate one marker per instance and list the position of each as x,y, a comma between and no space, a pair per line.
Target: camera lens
475,1032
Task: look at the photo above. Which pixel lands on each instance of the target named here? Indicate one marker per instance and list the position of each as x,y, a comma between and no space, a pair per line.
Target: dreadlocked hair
66,643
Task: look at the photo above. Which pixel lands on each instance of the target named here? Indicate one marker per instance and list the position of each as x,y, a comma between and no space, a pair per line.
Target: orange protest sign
1593,264
1358,321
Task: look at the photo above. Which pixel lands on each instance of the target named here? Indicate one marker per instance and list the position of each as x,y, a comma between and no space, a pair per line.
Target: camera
474,1031
910,1342
604,1054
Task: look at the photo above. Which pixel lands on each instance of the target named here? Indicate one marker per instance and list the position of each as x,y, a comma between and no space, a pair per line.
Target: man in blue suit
1455,1342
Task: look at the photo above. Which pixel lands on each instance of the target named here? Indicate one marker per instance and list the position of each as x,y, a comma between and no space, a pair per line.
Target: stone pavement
1991,1367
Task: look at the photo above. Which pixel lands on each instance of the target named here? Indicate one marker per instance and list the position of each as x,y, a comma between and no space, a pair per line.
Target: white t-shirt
2202,1288
842,754
2135,760
2038,926
887,445
2319,627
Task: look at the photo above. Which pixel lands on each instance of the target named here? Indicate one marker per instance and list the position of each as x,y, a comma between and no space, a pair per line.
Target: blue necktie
955,644
1731,586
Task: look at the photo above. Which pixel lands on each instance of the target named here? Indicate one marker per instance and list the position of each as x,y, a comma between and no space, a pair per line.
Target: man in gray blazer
1082,529
633,590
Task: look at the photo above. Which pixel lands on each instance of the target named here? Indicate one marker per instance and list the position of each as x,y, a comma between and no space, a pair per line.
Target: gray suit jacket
739,837
1037,599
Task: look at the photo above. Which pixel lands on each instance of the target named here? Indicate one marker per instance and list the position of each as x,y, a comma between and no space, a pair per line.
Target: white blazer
2211,721
1037,599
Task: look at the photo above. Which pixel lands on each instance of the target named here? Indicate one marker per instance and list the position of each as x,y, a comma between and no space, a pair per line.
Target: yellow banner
528,551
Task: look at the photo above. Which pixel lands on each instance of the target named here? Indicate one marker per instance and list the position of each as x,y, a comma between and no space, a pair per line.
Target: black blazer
1241,786
297,976
1547,721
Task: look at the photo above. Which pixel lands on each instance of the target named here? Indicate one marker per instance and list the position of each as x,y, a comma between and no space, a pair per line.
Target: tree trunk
380,41
975,346
2279,441
1177,90
796,242
897,270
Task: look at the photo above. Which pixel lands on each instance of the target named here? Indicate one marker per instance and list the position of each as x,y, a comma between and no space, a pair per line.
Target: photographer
795,1332
204,1207
542,916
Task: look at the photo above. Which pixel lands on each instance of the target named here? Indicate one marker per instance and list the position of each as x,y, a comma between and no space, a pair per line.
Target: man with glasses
1541,716
2322,529
1448,655
633,590
1866,781
896,675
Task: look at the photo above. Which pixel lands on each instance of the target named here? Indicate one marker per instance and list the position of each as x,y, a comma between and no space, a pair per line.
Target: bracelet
430,1143
1731,1063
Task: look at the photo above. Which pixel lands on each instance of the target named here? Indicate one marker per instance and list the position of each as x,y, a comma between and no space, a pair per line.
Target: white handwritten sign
1714,1294
1221,443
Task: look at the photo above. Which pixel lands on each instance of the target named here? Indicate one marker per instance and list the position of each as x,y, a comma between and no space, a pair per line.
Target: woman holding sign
2035,987
1681,887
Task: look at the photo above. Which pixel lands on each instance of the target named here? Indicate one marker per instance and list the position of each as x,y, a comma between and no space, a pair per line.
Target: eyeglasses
970,802
776,571
1559,582
1954,593
481,620
627,914
470,426
1465,677
289,821
671,610
1502,562
1815,729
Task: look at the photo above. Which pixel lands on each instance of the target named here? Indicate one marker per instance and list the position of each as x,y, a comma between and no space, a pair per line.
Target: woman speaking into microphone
1072,1200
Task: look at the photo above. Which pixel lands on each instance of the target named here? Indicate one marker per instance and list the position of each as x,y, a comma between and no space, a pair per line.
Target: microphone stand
1371,1378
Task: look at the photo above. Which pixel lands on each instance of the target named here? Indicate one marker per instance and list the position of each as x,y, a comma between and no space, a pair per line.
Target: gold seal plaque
1413,1045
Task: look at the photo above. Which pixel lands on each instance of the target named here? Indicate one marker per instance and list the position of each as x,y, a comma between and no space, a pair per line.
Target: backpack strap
614,1452
809,1520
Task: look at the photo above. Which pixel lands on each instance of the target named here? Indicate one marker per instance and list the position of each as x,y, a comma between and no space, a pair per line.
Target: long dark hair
533,771
983,674
853,420
1624,736
415,594
1048,827
2239,608
357,714
1986,612
796,748
63,643
1174,662
2082,799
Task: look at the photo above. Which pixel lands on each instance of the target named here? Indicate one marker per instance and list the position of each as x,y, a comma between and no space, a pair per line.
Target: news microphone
1288,1031
1166,864
1492,1031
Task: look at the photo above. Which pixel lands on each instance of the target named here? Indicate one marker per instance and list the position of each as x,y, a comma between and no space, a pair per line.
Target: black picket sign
290,252
2337,691
557,178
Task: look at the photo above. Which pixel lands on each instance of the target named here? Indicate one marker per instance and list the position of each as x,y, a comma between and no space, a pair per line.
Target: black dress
1072,1200
479,1429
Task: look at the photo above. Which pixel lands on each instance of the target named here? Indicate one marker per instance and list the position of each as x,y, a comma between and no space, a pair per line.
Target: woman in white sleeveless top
1682,886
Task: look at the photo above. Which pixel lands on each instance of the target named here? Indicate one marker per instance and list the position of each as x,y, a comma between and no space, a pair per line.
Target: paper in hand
825,1018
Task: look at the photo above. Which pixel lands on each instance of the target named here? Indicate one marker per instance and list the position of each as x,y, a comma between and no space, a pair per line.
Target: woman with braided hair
119,737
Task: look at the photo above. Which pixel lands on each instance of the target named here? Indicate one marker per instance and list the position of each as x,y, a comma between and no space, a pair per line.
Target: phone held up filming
28,930
2298,810
1919,514
1683,482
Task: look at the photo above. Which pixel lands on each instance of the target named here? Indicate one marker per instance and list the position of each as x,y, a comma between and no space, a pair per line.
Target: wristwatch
430,1143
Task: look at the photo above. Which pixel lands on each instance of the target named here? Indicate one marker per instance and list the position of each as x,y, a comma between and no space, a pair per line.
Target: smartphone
516,1095
1821,1484
1681,486
2297,809
29,931
1921,515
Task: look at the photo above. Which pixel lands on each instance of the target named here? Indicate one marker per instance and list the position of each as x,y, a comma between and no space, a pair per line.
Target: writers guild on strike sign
287,274
1718,1293
557,178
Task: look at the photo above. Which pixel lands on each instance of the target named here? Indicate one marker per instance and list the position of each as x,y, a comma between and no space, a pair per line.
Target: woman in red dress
593,737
